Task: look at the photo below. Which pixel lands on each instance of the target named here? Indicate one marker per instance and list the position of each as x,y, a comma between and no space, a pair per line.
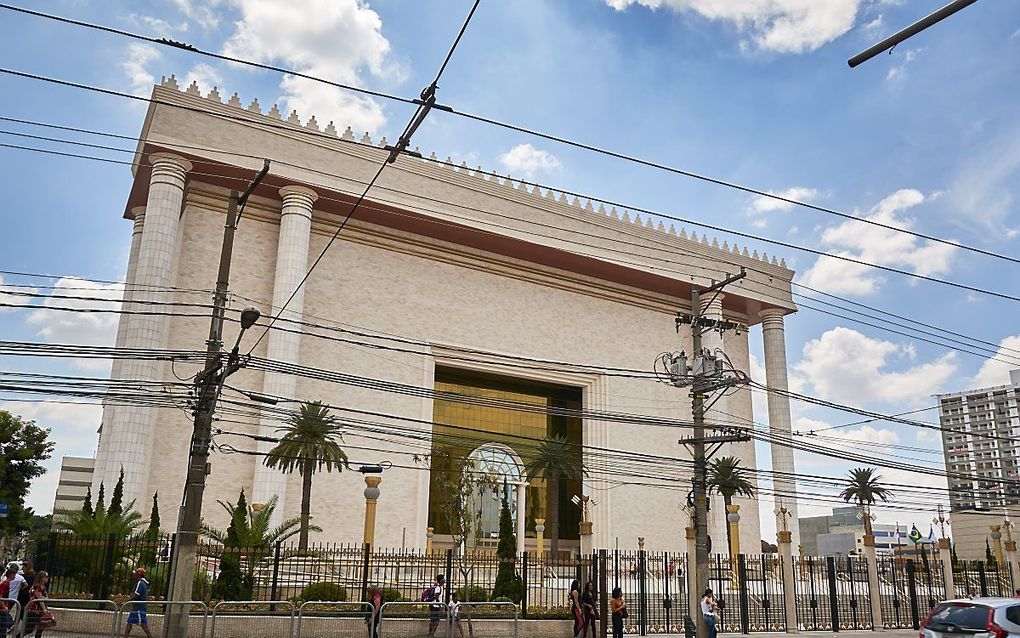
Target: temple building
456,315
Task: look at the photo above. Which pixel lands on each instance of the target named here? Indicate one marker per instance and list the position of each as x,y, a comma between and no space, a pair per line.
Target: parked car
978,617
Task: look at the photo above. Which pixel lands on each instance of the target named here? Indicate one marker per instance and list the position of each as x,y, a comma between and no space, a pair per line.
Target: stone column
780,423
1010,544
116,373
522,518
693,595
946,556
874,585
429,533
131,437
783,539
371,500
291,266
997,542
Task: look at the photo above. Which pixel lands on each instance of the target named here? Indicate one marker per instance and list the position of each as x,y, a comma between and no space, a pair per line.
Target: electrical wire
521,129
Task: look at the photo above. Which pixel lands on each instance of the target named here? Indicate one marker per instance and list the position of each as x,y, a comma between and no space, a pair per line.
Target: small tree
116,501
101,500
456,485
924,559
86,507
953,557
508,582
990,556
152,531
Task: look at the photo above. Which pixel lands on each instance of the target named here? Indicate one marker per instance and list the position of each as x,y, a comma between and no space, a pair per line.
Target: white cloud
846,366
135,67
900,71
786,26
982,190
762,204
527,161
873,27
91,328
200,11
343,39
877,245
996,371
205,76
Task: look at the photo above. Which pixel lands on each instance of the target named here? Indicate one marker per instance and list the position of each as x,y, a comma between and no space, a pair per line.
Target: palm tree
250,526
726,477
309,444
554,460
865,487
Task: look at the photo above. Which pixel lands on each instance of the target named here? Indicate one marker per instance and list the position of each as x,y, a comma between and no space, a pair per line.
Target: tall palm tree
865,487
310,443
726,477
554,460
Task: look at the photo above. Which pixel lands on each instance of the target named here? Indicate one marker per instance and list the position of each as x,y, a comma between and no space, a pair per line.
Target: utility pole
706,375
208,386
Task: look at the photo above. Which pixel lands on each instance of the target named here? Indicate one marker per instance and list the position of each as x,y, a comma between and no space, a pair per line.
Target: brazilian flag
914,535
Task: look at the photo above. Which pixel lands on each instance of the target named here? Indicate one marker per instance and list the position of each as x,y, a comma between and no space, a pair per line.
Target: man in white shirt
708,610
17,583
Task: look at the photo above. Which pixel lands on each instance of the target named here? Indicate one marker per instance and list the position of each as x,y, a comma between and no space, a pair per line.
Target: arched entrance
502,470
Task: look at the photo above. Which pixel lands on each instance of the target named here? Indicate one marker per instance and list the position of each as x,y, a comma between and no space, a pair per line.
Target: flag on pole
914,536
931,534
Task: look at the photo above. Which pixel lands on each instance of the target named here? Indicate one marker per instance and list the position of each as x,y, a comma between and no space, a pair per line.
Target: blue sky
752,91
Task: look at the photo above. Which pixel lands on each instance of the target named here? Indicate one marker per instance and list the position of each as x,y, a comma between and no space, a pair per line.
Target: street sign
4,509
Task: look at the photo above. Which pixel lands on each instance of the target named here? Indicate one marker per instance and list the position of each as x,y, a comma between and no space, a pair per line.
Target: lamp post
372,480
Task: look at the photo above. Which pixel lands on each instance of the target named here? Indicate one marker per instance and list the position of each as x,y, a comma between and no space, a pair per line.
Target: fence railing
829,593
495,619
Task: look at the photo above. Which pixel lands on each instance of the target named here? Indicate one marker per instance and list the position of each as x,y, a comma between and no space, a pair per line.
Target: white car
973,617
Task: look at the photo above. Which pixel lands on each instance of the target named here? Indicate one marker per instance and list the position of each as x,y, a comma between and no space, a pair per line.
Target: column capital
138,216
170,160
295,193
784,537
772,318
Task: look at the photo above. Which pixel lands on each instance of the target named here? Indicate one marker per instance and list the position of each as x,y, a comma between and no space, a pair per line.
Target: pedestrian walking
434,595
38,617
16,585
6,604
454,616
139,609
619,612
575,607
709,610
375,599
588,608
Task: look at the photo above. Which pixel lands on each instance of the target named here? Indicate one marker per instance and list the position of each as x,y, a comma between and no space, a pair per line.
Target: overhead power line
521,129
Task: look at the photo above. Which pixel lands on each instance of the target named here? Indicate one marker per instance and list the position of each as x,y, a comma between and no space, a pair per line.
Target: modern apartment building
981,442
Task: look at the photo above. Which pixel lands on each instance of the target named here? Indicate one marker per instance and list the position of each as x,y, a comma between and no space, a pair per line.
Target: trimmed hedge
324,591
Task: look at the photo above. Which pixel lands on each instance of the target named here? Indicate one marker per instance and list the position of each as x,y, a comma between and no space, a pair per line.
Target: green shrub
390,595
324,591
473,593
501,599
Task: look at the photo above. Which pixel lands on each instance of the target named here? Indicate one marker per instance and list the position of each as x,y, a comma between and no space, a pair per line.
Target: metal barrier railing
154,613
10,617
495,620
334,619
252,619
81,617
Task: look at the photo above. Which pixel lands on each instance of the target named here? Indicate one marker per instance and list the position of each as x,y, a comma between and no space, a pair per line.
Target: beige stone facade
437,254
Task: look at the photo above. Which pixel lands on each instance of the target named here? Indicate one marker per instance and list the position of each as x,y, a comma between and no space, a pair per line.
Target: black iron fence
830,593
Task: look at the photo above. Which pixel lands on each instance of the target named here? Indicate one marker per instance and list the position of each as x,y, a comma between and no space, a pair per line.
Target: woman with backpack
434,596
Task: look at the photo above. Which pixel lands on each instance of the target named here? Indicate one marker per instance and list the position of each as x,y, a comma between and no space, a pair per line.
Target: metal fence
830,593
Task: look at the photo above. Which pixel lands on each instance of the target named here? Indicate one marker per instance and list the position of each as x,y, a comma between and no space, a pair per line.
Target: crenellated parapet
507,186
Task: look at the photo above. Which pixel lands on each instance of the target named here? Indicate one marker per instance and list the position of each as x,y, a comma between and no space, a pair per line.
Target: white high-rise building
981,442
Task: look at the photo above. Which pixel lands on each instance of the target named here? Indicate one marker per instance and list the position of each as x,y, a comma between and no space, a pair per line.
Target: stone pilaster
789,589
780,422
110,410
693,595
291,266
946,556
1014,572
129,441
874,588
